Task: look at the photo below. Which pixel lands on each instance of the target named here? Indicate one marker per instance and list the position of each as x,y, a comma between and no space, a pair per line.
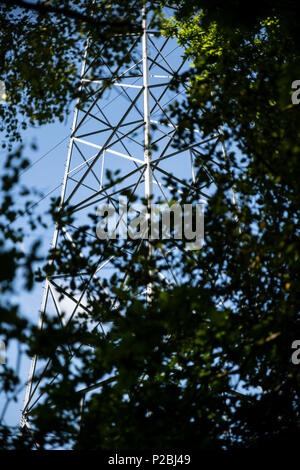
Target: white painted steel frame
143,172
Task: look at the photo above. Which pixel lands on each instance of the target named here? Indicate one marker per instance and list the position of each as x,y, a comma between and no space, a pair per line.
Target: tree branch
46,8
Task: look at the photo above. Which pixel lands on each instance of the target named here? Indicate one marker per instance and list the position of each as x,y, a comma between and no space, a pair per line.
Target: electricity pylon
125,125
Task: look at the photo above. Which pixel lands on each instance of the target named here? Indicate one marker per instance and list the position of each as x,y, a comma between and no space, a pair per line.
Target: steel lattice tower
118,129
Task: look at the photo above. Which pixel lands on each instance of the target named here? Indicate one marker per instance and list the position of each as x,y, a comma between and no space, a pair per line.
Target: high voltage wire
43,156
59,143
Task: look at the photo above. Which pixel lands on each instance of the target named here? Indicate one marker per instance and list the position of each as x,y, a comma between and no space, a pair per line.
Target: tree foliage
42,45
207,363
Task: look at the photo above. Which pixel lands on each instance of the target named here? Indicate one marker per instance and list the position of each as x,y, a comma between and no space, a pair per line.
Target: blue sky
45,175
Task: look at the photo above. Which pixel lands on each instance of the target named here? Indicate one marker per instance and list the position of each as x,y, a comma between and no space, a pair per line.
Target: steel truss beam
115,130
